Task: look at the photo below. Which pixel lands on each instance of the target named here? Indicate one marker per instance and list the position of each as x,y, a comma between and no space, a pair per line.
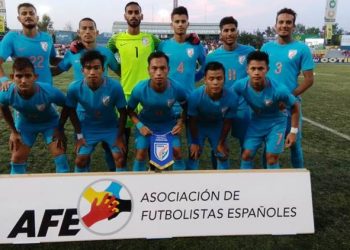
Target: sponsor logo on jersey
292,53
190,52
106,100
241,59
44,46
41,107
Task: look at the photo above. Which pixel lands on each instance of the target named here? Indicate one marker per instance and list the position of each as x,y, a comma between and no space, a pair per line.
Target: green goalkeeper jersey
133,51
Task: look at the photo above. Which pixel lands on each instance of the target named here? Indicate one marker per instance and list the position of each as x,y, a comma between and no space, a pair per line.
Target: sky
251,14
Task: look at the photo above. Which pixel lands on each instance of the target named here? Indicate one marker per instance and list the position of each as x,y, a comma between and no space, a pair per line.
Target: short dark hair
181,10
88,19
258,56
158,54
132,3
91,55
214,66
228,20
26,5
21,63
287,11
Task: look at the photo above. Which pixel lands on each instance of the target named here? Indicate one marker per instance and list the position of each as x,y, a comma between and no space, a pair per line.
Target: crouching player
157,96
211,109
99,97
35,113
269,122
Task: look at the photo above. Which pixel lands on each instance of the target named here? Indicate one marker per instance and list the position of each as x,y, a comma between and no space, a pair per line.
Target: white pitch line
344,136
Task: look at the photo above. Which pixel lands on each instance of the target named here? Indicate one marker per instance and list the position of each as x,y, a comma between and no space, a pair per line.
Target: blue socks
179,165
81,170
246,164
192,164
18,168
273,166
222,165
61,163
139,166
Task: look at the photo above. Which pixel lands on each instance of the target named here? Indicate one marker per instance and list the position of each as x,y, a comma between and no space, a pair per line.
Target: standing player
35,114
287,59
183,55
98,96
269,122
87,33
133,47
233,56
157,96
31,43
211,108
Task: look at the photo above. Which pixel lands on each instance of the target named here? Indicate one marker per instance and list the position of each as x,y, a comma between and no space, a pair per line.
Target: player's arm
113,64
306,83
121,129
291,137
194,147
201,60
111,44
222,148
15,138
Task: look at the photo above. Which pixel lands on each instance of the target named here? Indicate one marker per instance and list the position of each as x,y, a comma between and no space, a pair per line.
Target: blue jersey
183,59
73,60
208,111
38,109
156,107
235,64
99,105
38,49
265,103
287,60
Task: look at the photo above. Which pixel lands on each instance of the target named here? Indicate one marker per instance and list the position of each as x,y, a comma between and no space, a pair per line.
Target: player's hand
76,46
78,144
145,131
120,143
290,140
177,128
222,151
193,38
195,151
15,141
60,138
5,85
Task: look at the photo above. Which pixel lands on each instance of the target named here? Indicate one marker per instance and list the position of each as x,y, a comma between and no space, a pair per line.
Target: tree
270,31
255,40
337,32
45,24
68,27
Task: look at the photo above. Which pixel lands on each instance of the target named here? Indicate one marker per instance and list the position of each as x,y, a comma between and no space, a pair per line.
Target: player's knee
271,159
55,151
141,154
119,160
81,161
246,155
19,156
177,153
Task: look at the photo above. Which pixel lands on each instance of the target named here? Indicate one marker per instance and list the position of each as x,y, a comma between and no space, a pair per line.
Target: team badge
161,150
241,59
224,110
41,107
145,41
44,46
268,102
292,53
190,52
171,102
106,100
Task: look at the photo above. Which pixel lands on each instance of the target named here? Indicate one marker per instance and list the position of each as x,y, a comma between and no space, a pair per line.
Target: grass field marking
344,136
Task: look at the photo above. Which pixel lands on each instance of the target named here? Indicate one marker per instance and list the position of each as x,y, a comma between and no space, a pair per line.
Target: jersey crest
190,52
145,41
106,100
171,102
241,59
268,102
292,53
44,46
161,150
224,110
41,107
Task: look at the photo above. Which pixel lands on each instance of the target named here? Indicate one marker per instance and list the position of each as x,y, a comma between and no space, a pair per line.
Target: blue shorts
270,131
143,142
92,138
29,132
212,132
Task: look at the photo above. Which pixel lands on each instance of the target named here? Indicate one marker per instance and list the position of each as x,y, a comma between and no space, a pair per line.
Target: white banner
331,11
97,206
